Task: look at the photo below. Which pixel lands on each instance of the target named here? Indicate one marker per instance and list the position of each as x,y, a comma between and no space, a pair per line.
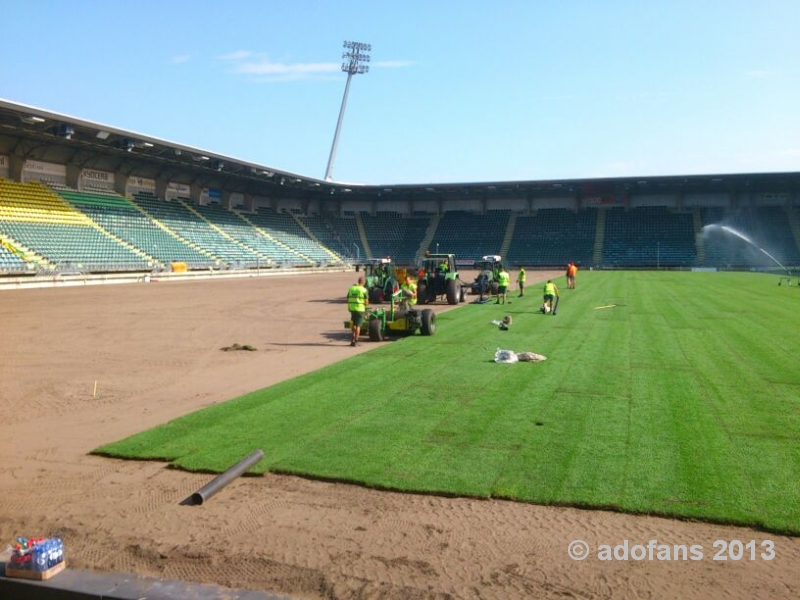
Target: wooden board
37,575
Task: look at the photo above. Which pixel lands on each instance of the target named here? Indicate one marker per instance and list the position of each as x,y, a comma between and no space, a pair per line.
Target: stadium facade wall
670,200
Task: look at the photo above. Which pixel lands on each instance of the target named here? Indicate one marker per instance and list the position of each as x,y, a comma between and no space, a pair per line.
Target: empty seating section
10,262
767,227
553,237
471,235
245,233
121,218
390,234
102,231
323,231
349,236
286,230
41,221
649,236
177,217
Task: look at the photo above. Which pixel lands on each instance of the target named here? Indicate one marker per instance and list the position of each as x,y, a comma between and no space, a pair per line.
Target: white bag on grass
505,357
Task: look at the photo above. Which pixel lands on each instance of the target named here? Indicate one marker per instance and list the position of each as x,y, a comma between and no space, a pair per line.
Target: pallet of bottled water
36,558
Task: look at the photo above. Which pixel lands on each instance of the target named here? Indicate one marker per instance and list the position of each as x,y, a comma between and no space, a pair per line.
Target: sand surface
154,350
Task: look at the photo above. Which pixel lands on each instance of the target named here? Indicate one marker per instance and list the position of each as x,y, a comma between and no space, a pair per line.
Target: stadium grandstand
78,196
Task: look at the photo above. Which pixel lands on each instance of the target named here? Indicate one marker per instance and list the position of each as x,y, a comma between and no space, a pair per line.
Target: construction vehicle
437,278
380,323
485,283
380,278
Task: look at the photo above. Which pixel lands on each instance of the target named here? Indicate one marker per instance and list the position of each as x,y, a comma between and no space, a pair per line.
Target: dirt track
153,350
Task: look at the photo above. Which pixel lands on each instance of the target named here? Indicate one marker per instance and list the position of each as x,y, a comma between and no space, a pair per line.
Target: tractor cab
380,278
438,276
486,282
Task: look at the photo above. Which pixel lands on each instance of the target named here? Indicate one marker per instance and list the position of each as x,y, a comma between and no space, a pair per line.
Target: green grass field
683,401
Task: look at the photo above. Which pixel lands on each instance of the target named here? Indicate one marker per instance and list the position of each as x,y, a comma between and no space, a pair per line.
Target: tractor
380,323
485,283
438,277
380,278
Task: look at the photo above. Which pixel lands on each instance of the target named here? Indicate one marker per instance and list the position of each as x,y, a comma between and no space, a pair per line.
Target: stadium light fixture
65,131
218,165
354,60
31,119
129,144
102,135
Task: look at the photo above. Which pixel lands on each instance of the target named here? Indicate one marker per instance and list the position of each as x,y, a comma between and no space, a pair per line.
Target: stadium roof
28,132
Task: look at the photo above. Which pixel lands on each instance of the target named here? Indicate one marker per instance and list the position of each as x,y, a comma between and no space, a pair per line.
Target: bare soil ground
154,351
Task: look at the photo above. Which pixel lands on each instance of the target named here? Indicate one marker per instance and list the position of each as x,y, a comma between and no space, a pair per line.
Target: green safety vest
357,298
549,289
413,288
503,278
521,276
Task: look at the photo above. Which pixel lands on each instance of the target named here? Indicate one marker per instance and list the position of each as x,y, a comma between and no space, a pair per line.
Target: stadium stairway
362,233
24,253
700,247
36,217
143,198
334,257
512,222
78,199
428,238
288,250
325,232
14,258
599,236
190,207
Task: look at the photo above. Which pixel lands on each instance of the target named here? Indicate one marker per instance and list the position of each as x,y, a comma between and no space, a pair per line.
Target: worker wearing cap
357,302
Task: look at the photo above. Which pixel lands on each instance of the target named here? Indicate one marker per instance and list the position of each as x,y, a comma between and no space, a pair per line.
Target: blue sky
463,91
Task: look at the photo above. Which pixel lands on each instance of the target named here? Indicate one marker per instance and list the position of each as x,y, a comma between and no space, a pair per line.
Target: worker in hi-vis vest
503,279
357,301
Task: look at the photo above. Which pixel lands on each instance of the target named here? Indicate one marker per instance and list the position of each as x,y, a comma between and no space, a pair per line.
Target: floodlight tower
352,63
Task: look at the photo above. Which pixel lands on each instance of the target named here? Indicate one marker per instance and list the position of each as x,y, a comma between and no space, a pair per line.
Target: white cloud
259,68
296,70
180,59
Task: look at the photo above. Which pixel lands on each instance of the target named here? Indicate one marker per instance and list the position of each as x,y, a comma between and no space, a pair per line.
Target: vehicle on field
380,278
380,323
485,283
437,278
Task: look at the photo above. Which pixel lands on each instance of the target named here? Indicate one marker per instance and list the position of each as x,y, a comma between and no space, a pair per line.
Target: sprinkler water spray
742,236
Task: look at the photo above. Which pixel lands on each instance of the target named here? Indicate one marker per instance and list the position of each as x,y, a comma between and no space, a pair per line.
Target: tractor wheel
452,291
463,296
493,288
376,330
428,322
422,292
376,295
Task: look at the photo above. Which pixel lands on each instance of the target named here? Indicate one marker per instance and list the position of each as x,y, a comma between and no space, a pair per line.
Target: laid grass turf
682,400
